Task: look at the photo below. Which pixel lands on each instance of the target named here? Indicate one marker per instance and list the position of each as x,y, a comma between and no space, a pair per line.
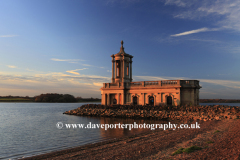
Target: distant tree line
54,97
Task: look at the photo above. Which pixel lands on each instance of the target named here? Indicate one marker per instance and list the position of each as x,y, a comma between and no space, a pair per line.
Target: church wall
189,96
103,99
179,96
160,95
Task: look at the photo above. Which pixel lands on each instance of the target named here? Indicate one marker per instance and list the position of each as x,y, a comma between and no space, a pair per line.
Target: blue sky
60,46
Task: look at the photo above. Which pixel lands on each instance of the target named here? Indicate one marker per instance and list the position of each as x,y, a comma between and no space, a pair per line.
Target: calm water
225,104
30,128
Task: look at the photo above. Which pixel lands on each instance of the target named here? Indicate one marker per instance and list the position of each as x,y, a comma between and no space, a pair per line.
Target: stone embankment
211,112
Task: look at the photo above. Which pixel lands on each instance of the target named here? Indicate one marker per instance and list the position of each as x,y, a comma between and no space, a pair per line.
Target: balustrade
146,84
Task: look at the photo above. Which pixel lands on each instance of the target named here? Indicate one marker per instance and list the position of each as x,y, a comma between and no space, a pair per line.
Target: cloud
59,76
98,84
226,83
74,61
88,65
54,82
179,3
195,31
7,36
74,71
67,60
11,66
225,14
30,70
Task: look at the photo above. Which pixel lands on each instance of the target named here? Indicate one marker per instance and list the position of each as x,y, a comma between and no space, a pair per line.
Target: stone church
123,91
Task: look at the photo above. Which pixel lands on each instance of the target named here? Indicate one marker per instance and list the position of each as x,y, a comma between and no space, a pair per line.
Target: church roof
122,52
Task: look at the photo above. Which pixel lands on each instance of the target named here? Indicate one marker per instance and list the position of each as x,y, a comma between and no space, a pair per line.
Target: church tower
121,66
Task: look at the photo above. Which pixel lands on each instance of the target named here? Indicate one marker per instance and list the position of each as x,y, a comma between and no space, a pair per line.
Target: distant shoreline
32,100
219,100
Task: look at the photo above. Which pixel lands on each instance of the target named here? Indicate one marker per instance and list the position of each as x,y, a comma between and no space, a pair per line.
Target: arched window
151,100
135,99
118,68
169,100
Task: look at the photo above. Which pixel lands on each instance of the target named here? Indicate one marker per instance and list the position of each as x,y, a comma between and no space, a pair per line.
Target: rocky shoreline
205,113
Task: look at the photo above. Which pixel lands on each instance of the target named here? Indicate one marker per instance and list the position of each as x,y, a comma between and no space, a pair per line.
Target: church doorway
135,100
169,100
151,101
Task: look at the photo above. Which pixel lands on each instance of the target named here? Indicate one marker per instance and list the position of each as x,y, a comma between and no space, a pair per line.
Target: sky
64,46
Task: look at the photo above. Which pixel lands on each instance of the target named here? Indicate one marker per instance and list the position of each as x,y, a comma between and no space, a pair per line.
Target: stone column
143,98
115,73
123,70
108,99
154,96
113,79
118,98
123,99
131,69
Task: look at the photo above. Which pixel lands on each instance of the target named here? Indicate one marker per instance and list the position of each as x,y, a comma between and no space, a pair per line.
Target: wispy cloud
98,84
179,3
88,65
11,66
225,14
67,60
54,82
205,40
30,70
226,83
195,31
74,71
7,36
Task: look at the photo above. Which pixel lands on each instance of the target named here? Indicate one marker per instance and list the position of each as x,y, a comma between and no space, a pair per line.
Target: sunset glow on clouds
66,49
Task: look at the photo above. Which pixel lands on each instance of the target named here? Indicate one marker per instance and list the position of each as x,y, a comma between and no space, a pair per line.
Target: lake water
28,129
225,104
